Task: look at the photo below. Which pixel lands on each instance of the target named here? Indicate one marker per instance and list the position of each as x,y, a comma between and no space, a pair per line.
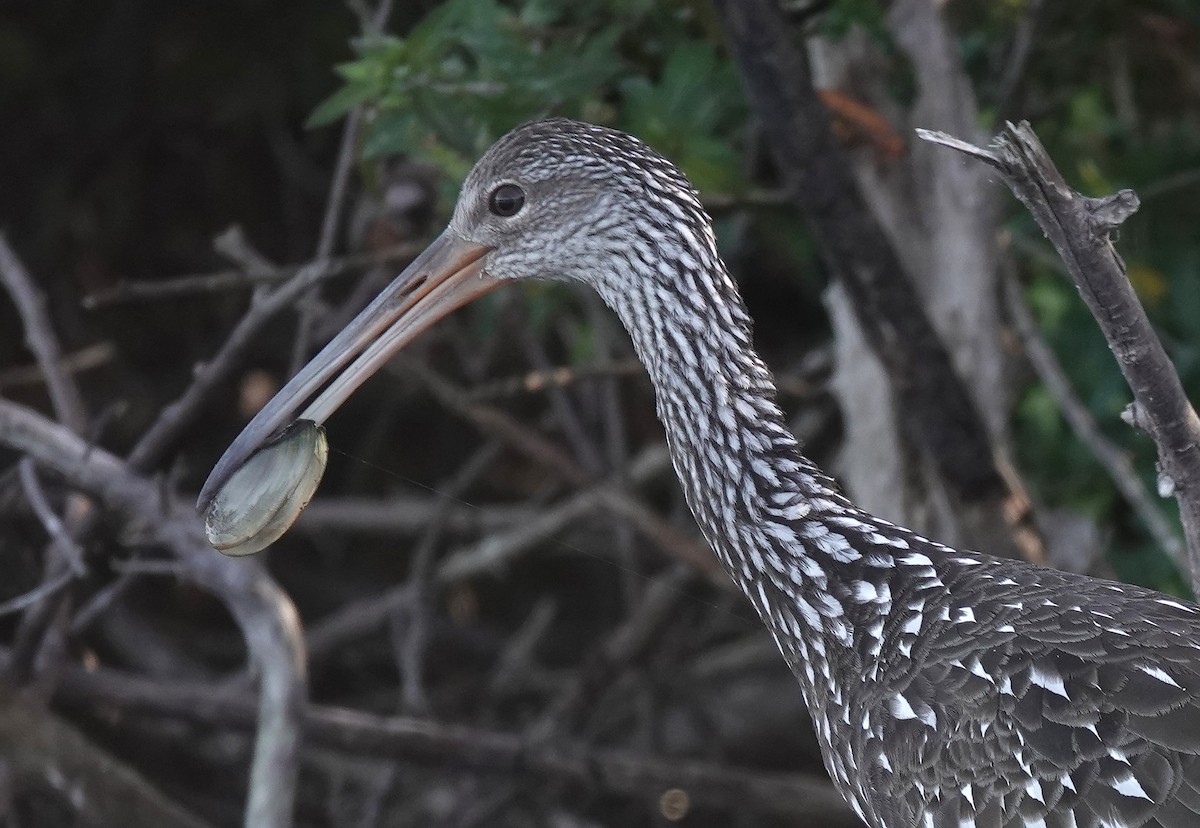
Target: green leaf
338,104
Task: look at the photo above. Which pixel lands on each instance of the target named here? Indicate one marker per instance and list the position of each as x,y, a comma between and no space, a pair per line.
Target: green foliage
846,14
686,114
466,72
473,69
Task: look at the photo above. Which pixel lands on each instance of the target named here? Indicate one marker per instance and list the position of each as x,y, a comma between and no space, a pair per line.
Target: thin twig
44,590
517,663
66,547
1170,184
347,152
504,542
565,411
330,222
354,620
559,376
492,421
499,424
623,646
616,440
100,602
336,202
239,278
234,245
415,635
176,416
402,514
87,358
1080,229
496,551
1018,58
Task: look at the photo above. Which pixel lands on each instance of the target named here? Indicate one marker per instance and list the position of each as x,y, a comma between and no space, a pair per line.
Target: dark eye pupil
506,200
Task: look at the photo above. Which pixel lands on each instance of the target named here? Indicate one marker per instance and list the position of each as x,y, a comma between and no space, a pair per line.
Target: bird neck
816,568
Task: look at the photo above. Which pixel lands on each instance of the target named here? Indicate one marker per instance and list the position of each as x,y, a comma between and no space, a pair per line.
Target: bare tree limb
1080,228
503,542
84,359
499,424
101,789
566,413
617,771
241,278
265,614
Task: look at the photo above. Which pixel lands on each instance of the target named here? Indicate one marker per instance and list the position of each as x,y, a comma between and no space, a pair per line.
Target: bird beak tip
448,274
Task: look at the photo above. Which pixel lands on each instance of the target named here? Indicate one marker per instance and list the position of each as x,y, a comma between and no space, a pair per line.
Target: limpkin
947,688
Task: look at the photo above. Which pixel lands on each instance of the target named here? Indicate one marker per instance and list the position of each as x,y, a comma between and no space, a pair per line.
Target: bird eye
506,200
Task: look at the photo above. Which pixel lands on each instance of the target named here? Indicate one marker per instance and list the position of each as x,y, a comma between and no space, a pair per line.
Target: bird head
553,199
566,200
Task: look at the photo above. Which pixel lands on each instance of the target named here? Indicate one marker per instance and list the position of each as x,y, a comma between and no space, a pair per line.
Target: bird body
947,688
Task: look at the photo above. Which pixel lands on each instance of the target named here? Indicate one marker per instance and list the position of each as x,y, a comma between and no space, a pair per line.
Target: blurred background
462,563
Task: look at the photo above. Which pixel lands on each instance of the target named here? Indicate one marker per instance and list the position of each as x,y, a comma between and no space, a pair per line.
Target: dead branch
363,734
176,416
403,514
566,412
265,614
355,619
84,359
1017,64
412,638
500,425
611,346
60,536
330,222
493,552
492,421
48,587
502,543
1080,229
623,646
101,789
241,278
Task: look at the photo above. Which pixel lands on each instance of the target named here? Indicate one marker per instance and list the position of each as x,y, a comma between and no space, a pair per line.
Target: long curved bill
448,275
